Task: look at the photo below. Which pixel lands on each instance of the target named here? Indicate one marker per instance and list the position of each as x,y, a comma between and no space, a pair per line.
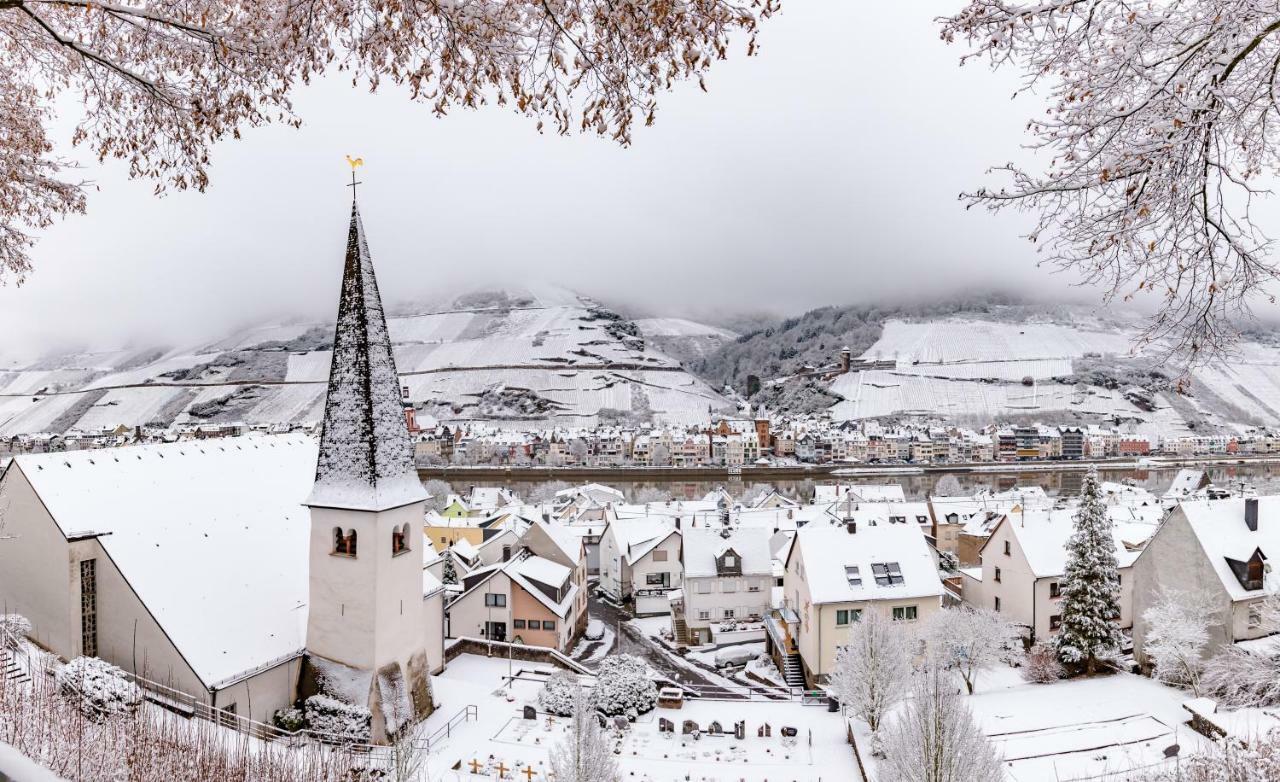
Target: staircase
680,630
10,669
793,671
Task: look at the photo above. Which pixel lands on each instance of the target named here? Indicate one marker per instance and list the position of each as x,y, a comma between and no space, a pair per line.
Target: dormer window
1252,572
852,575
730,560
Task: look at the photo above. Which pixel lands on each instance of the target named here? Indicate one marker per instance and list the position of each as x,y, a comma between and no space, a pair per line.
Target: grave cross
475,766
502,770
528,773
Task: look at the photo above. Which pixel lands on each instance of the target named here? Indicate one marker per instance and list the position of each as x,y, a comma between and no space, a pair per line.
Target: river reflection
1263,477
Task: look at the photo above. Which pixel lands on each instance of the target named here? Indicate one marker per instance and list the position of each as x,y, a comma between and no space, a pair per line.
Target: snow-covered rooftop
702,546
164,512
829,555
1042,534
1220,527
541,570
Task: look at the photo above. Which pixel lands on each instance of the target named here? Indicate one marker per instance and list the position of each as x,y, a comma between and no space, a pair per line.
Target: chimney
1251,514
845,355
851,526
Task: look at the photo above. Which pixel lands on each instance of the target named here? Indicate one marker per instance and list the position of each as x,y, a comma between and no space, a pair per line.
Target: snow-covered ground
501,736
1076,729
1084,727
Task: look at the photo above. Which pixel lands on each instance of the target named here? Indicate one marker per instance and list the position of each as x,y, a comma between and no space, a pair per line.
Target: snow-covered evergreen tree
449,574
1090,585
585,755
935,738
872,669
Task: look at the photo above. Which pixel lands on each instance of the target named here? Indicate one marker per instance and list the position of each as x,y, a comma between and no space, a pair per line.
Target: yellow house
443,531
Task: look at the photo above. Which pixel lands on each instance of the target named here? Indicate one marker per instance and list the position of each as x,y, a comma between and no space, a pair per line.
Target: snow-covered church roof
365,460
211,535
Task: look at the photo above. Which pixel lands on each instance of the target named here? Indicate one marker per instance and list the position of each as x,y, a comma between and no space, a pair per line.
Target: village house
728,575
1219,548
526,600
1023,562
640,563
833,574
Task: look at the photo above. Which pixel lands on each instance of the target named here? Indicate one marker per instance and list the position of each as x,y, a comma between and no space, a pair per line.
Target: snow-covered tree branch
935,738
1160,127
872,669
969,640
1177,635
585,755
160,82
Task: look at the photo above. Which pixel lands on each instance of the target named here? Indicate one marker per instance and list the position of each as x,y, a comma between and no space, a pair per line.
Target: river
1265,477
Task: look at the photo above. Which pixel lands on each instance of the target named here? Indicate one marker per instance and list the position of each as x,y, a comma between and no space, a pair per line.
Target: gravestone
768,730
665,725
714,729
530,713
740,730
688,727
789,732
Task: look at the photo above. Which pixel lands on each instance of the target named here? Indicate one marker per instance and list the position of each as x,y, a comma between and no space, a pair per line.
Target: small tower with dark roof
365,622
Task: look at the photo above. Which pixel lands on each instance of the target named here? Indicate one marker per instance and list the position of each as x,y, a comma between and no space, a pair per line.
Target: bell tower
365,621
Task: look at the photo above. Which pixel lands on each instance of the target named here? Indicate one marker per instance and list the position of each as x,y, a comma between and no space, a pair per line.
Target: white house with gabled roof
728,576
1220,548
1025,557
834,574
640,563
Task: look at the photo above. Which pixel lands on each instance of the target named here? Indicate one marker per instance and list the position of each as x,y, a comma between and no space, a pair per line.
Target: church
246,572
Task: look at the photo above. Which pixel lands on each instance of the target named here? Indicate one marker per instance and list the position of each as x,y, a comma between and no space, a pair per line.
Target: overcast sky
825,170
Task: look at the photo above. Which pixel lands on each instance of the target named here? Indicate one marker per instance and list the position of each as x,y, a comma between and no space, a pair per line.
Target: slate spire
365,460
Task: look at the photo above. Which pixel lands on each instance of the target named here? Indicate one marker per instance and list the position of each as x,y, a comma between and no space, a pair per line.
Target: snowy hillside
1068,367
532,356
682,339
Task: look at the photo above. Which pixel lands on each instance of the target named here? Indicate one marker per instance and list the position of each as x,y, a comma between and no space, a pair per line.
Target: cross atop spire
365,460
354,163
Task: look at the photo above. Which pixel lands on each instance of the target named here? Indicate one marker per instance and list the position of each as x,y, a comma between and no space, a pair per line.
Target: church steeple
366,625
365,460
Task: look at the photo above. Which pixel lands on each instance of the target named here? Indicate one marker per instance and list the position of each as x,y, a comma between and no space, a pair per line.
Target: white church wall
259,696
35,568
128,635
433,625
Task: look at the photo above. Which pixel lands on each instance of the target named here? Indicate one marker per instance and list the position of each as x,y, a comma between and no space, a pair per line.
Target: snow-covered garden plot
503,737
1082,728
